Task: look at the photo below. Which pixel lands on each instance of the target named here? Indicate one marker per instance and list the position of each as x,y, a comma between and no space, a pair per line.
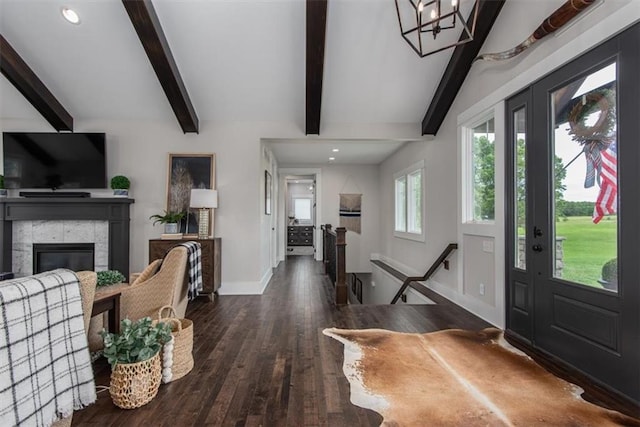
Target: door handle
537,248
537,232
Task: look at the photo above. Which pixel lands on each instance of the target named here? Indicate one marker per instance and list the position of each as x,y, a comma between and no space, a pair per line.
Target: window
302,209
408,203
482,174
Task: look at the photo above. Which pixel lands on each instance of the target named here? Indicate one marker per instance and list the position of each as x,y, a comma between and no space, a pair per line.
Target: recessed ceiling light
331,158
335,150
70,15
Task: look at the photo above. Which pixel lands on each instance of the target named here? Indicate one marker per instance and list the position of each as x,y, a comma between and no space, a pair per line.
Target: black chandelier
427,17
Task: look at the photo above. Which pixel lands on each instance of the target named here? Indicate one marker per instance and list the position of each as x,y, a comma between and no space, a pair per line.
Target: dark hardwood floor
263,360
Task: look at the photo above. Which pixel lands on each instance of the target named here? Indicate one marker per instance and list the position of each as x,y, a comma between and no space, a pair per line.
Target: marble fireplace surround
103,221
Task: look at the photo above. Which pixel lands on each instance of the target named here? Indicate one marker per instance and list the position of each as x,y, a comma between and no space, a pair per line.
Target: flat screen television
54,160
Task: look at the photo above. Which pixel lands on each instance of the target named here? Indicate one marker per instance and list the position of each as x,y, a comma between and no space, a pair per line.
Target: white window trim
418,237
467,168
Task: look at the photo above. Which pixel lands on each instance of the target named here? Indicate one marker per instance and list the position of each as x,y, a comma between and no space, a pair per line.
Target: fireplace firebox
74,256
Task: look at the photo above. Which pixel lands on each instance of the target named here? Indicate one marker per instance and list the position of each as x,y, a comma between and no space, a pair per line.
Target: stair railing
443,256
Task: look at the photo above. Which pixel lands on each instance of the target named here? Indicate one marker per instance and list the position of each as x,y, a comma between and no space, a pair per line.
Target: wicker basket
135,384
182,331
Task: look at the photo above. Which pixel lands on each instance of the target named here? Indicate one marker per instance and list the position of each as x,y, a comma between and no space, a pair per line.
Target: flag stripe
606,202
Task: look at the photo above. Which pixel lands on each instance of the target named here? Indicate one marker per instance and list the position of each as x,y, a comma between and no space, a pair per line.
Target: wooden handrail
334,258
450,248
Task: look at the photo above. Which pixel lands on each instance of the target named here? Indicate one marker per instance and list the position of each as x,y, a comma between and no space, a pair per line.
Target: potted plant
109,277
610,275
134,356
3,191
169,219
120,185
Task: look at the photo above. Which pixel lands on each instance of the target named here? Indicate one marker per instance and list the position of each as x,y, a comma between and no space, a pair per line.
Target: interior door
574,279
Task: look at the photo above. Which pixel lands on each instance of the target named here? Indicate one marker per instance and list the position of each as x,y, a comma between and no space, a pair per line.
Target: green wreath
596,100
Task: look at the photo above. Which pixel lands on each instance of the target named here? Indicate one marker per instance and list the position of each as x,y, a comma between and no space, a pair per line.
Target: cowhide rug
460,378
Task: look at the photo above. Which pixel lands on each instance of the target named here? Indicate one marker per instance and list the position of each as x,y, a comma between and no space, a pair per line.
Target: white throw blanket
45,367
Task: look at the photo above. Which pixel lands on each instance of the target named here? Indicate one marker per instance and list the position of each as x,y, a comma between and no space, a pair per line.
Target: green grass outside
587,247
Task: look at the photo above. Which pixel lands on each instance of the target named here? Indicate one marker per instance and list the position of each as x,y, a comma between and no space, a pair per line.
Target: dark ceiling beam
316,31
147,25
459,66
31,87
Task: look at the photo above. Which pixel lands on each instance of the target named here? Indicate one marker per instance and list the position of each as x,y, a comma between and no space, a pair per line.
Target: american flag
607,201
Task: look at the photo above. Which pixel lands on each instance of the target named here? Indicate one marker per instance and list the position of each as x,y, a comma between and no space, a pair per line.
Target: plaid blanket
195,268
45,367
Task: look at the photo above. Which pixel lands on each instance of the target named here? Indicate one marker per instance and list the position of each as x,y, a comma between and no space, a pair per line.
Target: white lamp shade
204,198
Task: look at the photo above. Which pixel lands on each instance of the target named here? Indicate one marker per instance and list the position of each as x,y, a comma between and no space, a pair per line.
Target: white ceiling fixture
335,150
70,15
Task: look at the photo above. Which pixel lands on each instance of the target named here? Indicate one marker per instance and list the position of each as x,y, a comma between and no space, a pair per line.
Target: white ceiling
292,152
240,61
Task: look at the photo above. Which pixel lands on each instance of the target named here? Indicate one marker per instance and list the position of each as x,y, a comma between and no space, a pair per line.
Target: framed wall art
187,171
267,192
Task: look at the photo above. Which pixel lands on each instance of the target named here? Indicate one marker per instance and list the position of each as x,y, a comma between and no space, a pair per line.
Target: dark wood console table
108,299
211,260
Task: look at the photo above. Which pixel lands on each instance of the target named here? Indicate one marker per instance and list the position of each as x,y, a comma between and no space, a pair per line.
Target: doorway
573,280
300,207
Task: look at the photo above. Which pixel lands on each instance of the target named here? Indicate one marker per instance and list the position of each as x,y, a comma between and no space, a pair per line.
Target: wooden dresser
211,260
300,235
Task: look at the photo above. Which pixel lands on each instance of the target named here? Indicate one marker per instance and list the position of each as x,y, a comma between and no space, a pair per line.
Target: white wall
338,179
485,87
139,150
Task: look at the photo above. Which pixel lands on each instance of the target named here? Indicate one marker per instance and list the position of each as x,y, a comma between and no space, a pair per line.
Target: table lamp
204,200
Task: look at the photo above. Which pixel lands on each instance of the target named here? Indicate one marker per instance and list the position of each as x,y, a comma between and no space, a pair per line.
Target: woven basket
182,331
135,384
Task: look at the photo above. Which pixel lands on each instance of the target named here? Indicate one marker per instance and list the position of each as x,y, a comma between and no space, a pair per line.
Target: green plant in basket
109,277
137,341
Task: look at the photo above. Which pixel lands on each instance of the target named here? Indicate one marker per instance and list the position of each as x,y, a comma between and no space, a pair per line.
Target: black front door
574,164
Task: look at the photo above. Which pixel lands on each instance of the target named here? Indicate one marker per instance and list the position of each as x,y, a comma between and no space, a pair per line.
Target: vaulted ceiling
239,61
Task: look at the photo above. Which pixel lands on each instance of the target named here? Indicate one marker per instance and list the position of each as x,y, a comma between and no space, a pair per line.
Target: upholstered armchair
152,290
149,291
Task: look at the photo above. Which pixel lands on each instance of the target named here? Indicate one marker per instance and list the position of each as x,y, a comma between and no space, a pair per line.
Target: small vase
3,192
120,192
171,228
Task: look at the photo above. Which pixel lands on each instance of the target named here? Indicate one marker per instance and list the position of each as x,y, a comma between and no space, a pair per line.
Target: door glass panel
585,197
520,205
483,172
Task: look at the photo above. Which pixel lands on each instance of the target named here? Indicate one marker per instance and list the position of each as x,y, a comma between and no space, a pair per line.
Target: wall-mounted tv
54,160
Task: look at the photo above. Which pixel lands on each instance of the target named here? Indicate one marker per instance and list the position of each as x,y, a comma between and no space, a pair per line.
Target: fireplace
103,221
74,256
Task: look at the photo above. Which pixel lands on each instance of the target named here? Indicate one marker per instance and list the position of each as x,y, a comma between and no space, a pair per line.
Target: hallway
263,361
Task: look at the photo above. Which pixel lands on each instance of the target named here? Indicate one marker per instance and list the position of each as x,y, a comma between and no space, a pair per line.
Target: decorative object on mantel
421,32
120,185
558,19
109,277
3,191
134,356
187,171
170,221
204,200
